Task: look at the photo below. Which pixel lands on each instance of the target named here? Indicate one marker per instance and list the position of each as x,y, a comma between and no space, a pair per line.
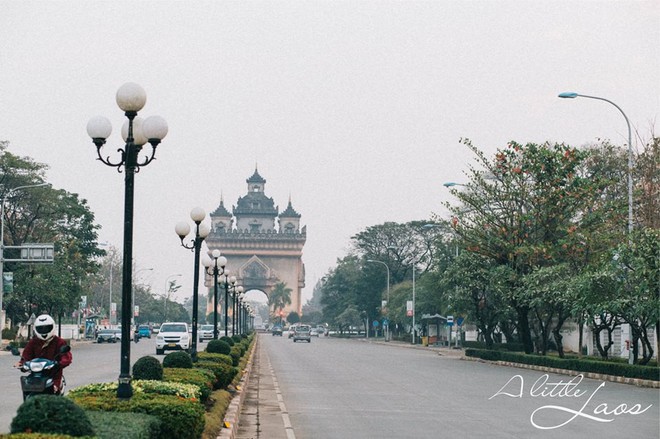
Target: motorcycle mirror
65,349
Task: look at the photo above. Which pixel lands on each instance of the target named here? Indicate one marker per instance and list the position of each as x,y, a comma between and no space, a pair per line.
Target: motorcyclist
45,344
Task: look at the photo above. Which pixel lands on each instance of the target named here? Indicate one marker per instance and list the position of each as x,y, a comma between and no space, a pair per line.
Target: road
332,388
92,363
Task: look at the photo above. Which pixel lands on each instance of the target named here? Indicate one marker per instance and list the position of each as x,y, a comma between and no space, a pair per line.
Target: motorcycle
40,380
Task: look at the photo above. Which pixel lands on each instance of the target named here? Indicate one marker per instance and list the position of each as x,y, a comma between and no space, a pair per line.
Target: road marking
290,434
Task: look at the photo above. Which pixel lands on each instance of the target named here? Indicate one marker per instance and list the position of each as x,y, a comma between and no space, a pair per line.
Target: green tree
279,298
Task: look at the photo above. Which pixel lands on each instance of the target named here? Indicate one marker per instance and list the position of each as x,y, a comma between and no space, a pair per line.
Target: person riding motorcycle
45,344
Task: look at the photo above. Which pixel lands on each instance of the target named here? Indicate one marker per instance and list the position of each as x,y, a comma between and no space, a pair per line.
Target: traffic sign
375,323
450,320
459,321
386,322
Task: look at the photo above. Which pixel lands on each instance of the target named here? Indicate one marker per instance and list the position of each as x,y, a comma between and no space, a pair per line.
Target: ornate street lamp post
202,230
228,283
217,267
136,133
238,295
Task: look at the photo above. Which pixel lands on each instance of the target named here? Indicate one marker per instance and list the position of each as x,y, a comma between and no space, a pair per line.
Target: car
321,330
173,336
314,332
277,330
301,332
205,332
144,331
108,336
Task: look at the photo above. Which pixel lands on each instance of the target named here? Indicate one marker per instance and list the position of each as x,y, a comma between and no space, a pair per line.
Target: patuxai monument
263,246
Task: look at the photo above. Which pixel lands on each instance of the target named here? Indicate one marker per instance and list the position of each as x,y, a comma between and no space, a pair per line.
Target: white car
205,332
173,336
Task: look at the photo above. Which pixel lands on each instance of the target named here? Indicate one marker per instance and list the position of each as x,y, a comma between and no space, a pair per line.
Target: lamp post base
124,390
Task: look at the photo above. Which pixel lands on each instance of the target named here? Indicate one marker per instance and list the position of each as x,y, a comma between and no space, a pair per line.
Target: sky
354,110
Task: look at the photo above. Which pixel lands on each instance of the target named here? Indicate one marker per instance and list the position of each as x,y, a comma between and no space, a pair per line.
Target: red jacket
37,348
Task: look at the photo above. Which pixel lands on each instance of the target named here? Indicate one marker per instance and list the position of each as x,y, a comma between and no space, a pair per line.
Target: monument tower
262,247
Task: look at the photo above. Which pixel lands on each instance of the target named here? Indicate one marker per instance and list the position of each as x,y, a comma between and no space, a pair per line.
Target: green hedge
112,425
224,373
513,347
202,378
579,365
181,418
217,358
42,436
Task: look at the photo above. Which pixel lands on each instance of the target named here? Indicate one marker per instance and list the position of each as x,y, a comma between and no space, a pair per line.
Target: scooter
40,380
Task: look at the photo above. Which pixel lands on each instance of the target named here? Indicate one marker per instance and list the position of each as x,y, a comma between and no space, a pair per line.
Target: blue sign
386,322
459,321
375,323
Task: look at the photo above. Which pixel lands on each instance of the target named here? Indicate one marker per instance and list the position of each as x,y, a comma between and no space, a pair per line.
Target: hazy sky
353,108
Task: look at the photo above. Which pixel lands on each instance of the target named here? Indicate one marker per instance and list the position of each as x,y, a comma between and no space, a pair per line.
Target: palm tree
279,297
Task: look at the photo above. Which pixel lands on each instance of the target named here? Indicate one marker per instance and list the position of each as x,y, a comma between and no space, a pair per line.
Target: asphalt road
92,363
334,388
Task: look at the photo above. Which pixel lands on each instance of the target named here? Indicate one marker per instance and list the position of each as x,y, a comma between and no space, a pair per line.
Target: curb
592,375
236,405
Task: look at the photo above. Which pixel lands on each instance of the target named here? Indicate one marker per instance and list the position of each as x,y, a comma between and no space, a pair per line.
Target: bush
576,364
204,379
41,436
180,418
111,425
218,358
228,340
224,373
237,338
513,347
9,333
51,414
183,390
148,368
178,359
236,354
218,347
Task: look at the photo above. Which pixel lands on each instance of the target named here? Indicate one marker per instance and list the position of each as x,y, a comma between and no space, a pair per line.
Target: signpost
450,323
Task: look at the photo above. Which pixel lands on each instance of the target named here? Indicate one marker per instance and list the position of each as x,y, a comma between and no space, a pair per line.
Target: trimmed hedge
181,418
218,358
218,347
224,373
179,359
236,353
202,378
578,365
148,368
512,347
42,436
51,414
112,425
227,339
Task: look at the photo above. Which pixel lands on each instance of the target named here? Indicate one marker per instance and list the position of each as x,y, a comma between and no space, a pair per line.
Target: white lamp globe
215,254
154,127
206,261
232,279
138,133
197,214
131,97
204,230
222,261
182,229
99,127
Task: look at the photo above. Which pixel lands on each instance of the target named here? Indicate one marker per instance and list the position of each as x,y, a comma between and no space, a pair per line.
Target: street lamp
202,230
168,288
387,333
136,132
217,267
2,242
228,283
572,95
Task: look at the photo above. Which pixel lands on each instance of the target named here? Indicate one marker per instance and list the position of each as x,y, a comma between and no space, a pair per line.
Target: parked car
205,332
144,331
302,332
277,330
108,336
173,336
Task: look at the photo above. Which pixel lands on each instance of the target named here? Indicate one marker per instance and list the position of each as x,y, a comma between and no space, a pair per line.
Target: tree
293,317
279,297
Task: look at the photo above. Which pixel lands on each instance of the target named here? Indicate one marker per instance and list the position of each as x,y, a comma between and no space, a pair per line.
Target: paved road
333,388
92,363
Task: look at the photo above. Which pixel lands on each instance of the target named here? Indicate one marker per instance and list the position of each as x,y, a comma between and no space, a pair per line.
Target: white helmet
44,327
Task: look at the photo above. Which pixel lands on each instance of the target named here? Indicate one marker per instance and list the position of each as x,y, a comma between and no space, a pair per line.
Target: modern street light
130,98
202,230
2,242
168,288
387,331
572,95
217,267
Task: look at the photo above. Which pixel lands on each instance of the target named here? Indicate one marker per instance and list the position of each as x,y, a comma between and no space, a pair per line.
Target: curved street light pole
130,98
215,267
202,230
572,95
167,294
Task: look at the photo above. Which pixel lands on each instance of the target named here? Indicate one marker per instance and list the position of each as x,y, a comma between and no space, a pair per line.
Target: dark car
108,336
277,330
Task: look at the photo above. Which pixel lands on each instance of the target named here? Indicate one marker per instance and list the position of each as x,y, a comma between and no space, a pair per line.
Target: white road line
290,434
